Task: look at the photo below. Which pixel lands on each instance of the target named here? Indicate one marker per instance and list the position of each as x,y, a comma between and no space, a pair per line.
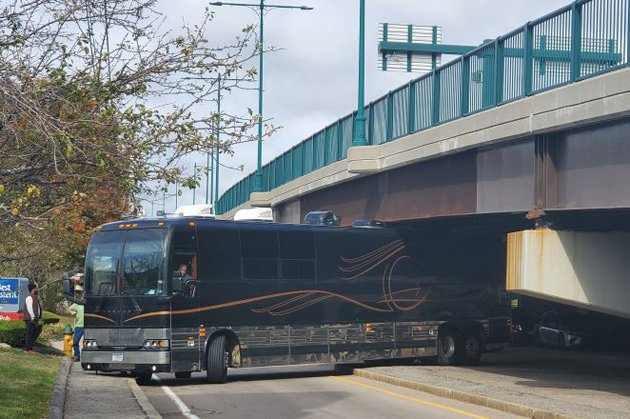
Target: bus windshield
126,263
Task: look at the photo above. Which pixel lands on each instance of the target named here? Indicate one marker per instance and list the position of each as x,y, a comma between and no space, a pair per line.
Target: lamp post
213,184
216,156
195,188
261,6
359,123
207,176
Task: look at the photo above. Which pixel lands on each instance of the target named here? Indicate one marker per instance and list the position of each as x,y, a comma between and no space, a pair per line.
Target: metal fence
581,40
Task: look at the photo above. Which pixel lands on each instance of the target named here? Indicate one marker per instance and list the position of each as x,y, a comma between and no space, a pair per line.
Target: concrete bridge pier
583,269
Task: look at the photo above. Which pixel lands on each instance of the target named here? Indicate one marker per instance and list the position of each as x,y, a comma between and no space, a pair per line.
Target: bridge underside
577,169
583,269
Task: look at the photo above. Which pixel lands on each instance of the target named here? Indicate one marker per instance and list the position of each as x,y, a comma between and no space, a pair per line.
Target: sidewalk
92,395
536,382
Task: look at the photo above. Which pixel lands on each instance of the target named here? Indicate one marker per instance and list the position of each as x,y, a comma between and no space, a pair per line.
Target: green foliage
55,331
12,332
50,318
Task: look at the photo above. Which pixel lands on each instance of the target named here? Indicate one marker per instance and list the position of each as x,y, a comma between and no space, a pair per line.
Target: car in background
559,329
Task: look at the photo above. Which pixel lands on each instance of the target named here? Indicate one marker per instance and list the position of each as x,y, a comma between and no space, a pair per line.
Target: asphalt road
293,393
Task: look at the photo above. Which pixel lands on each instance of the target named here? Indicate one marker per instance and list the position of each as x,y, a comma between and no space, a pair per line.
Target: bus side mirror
68,285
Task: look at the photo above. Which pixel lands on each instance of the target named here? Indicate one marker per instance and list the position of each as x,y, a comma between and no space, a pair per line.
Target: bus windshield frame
126,262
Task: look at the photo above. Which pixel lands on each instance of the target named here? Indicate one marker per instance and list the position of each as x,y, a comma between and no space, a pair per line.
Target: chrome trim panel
129,358
334,343
125,337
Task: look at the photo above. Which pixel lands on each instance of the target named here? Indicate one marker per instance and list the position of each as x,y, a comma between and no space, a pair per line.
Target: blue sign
9,291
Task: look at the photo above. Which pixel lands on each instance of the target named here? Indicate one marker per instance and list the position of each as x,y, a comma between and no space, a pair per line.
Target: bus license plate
117,357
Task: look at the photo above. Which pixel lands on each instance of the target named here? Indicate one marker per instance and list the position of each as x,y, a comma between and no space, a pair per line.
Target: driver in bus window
182,272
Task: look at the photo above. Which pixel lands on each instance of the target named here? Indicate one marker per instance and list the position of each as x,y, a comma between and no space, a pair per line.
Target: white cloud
312,80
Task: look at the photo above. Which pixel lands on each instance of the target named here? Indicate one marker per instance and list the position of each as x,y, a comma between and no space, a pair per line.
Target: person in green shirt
77,311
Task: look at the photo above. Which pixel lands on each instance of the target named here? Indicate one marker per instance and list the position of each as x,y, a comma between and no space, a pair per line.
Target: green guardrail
581,40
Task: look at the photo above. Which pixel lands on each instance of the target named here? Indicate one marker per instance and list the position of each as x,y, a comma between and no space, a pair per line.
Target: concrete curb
142,400
513,408
57,404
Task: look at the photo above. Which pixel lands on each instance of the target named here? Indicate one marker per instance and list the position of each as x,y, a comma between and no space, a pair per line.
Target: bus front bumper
133,361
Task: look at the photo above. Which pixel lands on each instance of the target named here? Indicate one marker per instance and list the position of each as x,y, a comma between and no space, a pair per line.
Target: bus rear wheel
216,361
472,349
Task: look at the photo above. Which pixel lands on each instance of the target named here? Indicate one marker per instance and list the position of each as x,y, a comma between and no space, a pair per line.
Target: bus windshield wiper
129,292
100,300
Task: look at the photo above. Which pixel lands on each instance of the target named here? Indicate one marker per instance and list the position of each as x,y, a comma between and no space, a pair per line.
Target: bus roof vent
368,224
327,218
254,214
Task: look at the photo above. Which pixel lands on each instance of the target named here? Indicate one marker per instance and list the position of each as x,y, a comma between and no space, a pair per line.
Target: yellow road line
409,398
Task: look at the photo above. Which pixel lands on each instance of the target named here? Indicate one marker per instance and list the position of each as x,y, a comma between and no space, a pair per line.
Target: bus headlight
156,343
90,344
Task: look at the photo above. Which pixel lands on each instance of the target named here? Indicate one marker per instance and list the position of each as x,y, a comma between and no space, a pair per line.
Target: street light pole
195,188
212,173
218,150
258,187
207,176
258,181
176,193
359,124
214,197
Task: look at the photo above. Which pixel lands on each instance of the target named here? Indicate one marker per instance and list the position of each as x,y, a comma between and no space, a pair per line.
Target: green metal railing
581,40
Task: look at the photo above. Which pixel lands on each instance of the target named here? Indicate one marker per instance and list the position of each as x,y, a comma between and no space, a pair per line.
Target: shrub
50,318
12,332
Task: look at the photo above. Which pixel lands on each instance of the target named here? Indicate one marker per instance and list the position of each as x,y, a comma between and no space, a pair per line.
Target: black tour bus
260,294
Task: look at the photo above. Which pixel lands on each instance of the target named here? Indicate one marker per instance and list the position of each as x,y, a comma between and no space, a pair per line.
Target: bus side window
297,254
219,253
184,263
259,244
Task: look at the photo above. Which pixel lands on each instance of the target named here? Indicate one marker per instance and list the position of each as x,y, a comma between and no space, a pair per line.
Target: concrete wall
583,269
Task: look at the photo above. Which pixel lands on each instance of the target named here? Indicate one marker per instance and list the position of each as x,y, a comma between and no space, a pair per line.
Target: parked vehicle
559,329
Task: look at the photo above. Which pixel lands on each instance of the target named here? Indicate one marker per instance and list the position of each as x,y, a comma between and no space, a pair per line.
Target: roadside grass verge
26,383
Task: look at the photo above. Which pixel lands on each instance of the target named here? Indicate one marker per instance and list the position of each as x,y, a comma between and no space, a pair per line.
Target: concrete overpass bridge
527,137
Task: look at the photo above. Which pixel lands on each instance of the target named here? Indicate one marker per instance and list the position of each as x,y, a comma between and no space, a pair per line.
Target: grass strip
26,383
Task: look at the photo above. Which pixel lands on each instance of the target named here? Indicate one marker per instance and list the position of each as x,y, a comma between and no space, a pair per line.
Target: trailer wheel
472,346
448,347
183,374
217,361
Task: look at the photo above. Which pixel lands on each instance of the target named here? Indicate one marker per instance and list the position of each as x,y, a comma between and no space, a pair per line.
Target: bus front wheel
143,378
217,361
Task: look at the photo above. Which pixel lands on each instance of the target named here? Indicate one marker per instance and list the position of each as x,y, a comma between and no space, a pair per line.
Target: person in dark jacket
32,314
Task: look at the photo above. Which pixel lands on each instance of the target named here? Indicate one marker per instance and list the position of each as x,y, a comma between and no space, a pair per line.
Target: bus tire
143,378
448,347
183,374
217,361
471,349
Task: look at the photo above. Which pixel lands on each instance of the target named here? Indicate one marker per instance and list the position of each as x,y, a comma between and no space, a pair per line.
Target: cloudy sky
312,80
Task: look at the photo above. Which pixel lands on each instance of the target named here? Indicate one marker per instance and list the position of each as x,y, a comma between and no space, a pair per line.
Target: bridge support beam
583,269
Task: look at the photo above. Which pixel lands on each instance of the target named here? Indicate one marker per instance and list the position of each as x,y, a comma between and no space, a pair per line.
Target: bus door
185,340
